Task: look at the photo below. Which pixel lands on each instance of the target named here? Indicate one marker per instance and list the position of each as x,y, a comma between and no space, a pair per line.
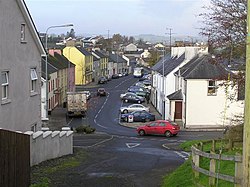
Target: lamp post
46,59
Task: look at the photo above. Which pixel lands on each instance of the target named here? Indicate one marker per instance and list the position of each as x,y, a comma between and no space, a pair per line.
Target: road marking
70,122
122,82
165,146
98,143
132,145
100,112
182,154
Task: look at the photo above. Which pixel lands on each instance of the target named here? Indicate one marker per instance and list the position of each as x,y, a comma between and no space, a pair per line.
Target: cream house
205,96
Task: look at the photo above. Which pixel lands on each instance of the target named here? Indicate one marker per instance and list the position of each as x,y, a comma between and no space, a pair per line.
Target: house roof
24,9
63,60
116,58
51,69
84,51
169,64
158,65
100,54
203,67
175,96
95,58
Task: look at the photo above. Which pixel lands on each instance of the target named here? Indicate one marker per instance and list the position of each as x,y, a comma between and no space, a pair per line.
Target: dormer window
23,33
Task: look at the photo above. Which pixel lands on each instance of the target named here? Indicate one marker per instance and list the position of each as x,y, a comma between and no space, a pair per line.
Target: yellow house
83,61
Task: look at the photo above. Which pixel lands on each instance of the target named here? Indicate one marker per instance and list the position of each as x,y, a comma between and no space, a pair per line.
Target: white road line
70,122
98,143
165,146
181,155
122,82
100,112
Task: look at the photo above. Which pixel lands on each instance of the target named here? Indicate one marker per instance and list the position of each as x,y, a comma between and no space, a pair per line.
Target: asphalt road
118,151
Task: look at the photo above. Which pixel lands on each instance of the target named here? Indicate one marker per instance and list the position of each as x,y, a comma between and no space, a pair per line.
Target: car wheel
141,132
125,111
168,134
126,101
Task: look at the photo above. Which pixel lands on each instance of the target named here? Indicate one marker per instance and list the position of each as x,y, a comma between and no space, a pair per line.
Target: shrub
85,129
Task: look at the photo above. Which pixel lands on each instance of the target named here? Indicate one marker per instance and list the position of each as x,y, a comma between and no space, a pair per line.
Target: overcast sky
127,17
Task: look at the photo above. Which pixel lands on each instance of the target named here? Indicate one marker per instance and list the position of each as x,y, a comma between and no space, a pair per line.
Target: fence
49,144
14,159
198,154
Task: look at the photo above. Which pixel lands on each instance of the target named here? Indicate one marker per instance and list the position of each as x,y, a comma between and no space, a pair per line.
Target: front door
178,110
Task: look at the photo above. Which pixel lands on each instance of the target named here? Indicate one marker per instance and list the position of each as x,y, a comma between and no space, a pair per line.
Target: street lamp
46,60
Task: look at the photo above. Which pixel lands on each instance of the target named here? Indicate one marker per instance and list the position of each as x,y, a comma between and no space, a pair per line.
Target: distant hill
165,39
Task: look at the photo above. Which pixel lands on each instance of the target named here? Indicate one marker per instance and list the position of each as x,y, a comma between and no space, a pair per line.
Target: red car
164,127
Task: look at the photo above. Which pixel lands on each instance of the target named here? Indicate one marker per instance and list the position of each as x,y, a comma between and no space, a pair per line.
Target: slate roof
203,67
84,51
51,68
169,64
175,96
100,54
158,65
63,59
116,58
95,58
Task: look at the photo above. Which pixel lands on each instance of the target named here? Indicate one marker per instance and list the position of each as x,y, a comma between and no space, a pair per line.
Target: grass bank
183,176
42,175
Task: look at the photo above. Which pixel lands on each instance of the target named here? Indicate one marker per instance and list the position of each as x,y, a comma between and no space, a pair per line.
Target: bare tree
225,26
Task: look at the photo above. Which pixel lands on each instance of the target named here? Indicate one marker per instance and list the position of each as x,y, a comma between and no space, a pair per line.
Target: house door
113,71
178,110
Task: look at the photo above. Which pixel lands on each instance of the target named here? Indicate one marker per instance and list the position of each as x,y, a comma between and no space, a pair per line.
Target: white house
164,78
130,48
146,54
202,98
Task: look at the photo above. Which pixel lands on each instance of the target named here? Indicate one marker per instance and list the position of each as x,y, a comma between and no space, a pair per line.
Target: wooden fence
197,154
14,159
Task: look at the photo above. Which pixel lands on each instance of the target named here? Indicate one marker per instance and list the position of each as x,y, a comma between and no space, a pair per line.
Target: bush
85,129
89,130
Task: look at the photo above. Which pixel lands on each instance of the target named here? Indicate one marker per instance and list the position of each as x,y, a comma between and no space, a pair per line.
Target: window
23,32
34,78
5,84
211,88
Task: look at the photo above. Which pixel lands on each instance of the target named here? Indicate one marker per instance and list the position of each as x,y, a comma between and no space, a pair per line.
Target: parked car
102,80
109,77
141,84
133,107
120,74
101,92
127,94
131,98
135,89
115,76
162,127
88,94
125,74
138,116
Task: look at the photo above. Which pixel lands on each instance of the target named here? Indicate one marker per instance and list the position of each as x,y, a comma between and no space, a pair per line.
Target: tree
225,26
71,34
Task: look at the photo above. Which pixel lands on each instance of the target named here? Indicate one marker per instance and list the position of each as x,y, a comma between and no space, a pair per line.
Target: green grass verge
183,176
41,175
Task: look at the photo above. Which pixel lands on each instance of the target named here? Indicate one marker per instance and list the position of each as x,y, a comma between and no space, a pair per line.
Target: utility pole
170,38
246,131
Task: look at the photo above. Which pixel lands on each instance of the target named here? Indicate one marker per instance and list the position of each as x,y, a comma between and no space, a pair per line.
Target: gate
14,159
